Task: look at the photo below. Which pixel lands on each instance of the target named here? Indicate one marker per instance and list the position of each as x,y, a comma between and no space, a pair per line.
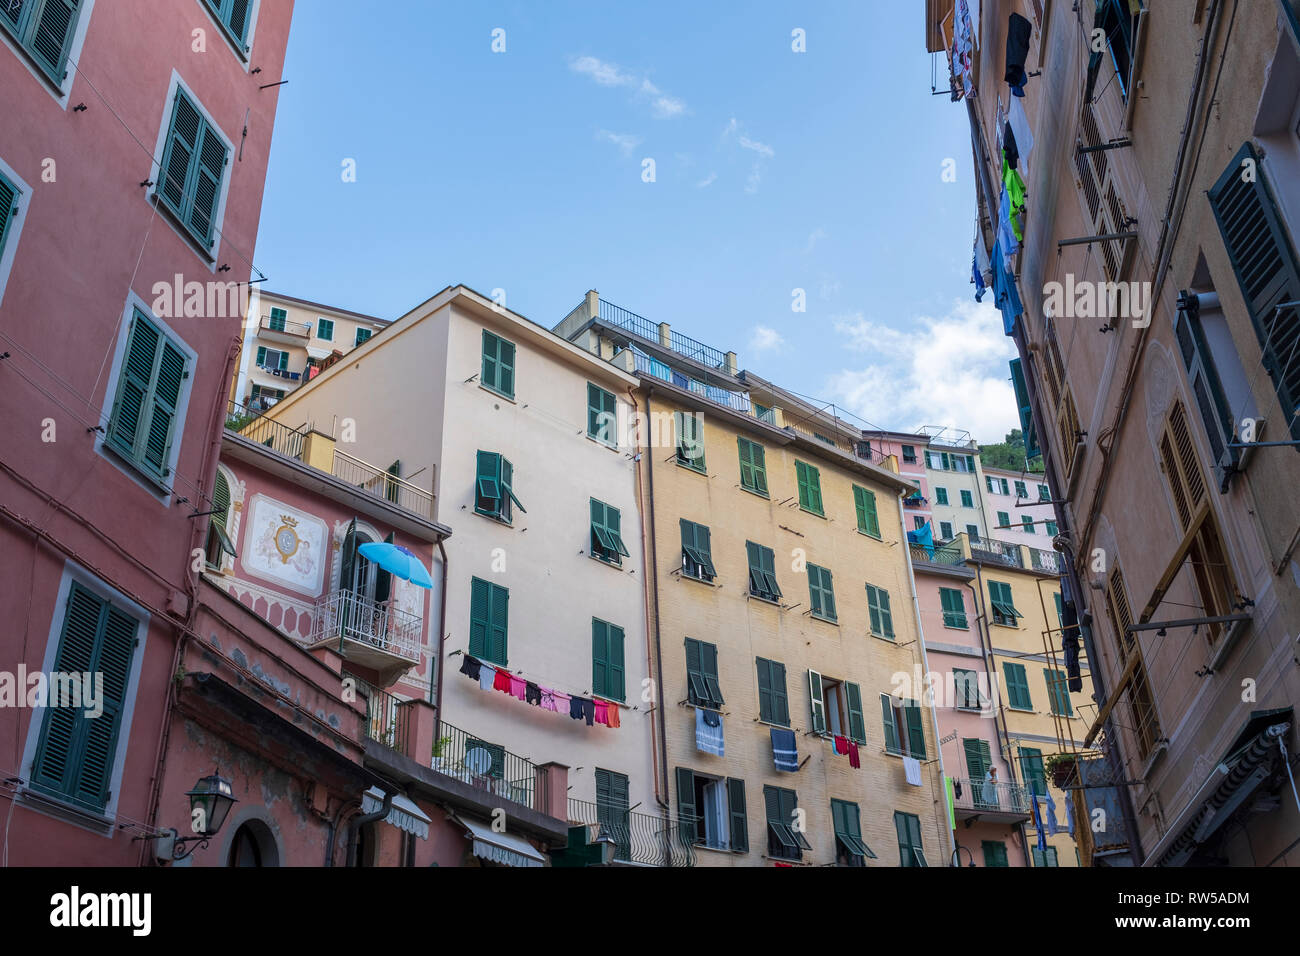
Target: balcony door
364,587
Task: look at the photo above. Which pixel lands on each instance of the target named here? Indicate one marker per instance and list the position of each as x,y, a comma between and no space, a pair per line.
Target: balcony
640,839
736,401
991,802
992,551
284,373
1048,562
489,767
374,634
282,330
915,501
946,555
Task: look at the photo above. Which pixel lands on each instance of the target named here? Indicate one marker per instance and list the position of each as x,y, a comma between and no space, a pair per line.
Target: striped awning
404,814
504,848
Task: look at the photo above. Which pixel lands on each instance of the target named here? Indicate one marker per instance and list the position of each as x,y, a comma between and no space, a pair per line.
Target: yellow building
781,599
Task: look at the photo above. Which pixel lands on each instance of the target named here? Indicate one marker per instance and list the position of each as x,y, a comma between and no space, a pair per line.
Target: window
978,761
1045,857
711,811
1032,771
235,17
1057,692
218,541
150,391
810,487
973,532
753,467
606,539
488,621
954,608
261,390
193,169
764,414
702,687
494,754
945,530
697,562
690,440
602,415
1051,528
910,851
272,359
762,572
1027,524
12,201
864,502
1021,492
278,319
612,811
44,30
363,336
498,365
773,704
995,852
966,684
918,523
903,725
1114,18
991,483
76,753
967,500
1017,686
882,620
1004,609
941,496
836,707
1004,520
1145,720
785,840
909,454
607,673
325,330
821,593
494,487
849,848
1044,494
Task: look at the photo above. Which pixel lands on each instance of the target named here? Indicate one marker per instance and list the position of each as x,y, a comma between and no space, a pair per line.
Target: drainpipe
986,643
354,828
435,689
652,600
925,666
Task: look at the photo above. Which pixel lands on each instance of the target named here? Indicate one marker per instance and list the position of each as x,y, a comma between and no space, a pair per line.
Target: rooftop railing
1046,561
248,422
946,554
736,401
382,484
684,345
638,837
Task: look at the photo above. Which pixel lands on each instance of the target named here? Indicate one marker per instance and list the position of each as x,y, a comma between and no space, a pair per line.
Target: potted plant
1061,768
439,746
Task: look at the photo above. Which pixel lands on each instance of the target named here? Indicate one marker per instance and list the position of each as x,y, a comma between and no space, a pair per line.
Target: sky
524,170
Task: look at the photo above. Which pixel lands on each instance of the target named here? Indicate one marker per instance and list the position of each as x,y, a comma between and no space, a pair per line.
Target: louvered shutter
1208,390
500,623
687,813
175,186
211,167
739,820
893,742
8,208
915,730
164,400
857,725
134,381
816,702
52,37
479,619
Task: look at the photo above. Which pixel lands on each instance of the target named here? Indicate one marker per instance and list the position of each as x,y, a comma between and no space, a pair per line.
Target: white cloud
624,141
814,237
939,370
755,177
762,339
734,126
662,105
706,181
761,148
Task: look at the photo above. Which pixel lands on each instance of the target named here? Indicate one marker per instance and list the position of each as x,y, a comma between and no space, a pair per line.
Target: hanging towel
708,736
611,715
562,702
518,687
1038,825
912,771
548,699
470,667
532,694
1069,814
502,681
1019,124
1016,195
1018,31
589,711
575,708
1052,827
602,710
839,745
956,787
784,750
487,675
855,761
1010,148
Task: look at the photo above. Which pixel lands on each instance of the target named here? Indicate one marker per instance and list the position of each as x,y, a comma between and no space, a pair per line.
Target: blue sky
774,170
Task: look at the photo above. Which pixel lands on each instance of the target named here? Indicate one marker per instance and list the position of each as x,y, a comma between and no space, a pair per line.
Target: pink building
909,449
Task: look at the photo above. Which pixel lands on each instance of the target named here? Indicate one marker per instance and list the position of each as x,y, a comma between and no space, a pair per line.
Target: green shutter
192,170
601,415
739,821
687,814
696,547
487,486
143,422
508,488
498,364
810,488
1017,686
500,623
696,691
816,702
1057,692
995,853
599,656
864,502
1032,770
690,443
479,618
615,684
978,761
857,724
773,705
753,467
886,615
941,496
8,208
954,607
893,742
45,30
762,571
821,592
915,730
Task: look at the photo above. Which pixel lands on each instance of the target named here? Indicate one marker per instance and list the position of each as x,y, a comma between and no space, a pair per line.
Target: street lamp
210,803
956,855
608,846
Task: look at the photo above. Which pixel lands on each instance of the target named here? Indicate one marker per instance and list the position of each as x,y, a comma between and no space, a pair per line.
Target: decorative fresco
285,545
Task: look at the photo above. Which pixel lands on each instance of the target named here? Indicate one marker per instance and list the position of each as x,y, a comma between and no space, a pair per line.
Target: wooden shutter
687,813
753,473
893,742
134,380
766,699
164,398
1017,686
1026,410
857,724
221,501
1032,770
873,608
175,186
500,623
1206,386
817,702
52,37
211,167
864,502
978,759
886,615
1057,693
384,579
480,605
8,208
779,698
239,17
1182,470
1264,261
736,810
599,657
615,680
506,367
915,730
709,668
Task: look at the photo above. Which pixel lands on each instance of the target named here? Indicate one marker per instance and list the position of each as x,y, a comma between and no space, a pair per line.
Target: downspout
357,823
435,685
999,718
652,600
925,667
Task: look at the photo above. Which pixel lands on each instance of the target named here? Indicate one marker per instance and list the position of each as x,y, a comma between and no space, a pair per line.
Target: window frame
682,435
501,475
879,612
1017,686
808,480
484,649
208,247
967,499
821,593
241,45
911,847
940,495
606,435
759,574
703,688
1003,608
864,507
945,600
12,226
611,683
321,323
776,709
605,540
696,555
757,466
499,366
56,77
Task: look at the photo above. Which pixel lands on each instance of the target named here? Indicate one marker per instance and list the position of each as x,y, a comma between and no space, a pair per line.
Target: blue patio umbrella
397,560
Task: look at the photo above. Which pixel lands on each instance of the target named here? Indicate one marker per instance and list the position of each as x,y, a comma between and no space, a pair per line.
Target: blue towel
1069,815
1038,825
708,736
1052,826
784,750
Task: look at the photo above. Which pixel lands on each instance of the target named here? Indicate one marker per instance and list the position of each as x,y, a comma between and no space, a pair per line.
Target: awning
504,848
404,814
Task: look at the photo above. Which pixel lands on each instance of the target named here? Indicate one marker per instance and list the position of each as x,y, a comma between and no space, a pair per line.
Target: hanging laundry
1069,814
980,274
1019,124
1015,187
839,745
518,687
973,12
962,51
1052,827
1038,824
502,682
548,699
785,752
487,675
1007,236
1018,32
589,711
575,708
1010,152
612,717
912,771
708,732
855,760
1006,297
470,667
533,694
562,702
602,709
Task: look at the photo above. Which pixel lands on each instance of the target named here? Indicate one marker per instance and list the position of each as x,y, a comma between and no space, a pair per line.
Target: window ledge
716,849
758,597
698,706
494,518
616,565
690,577
756,493
826,620
603,444
868,534
881,637
492,391
816,514
957,627
703,472
769,723
194,241
609,700
1022,710
52,806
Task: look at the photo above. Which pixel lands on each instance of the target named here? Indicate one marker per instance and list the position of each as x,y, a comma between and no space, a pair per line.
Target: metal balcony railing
301,329
382,484
388,720
1048,561
248,422
638,837
346,616
488,766
946,554
999,552
993,797
614,315
736,401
